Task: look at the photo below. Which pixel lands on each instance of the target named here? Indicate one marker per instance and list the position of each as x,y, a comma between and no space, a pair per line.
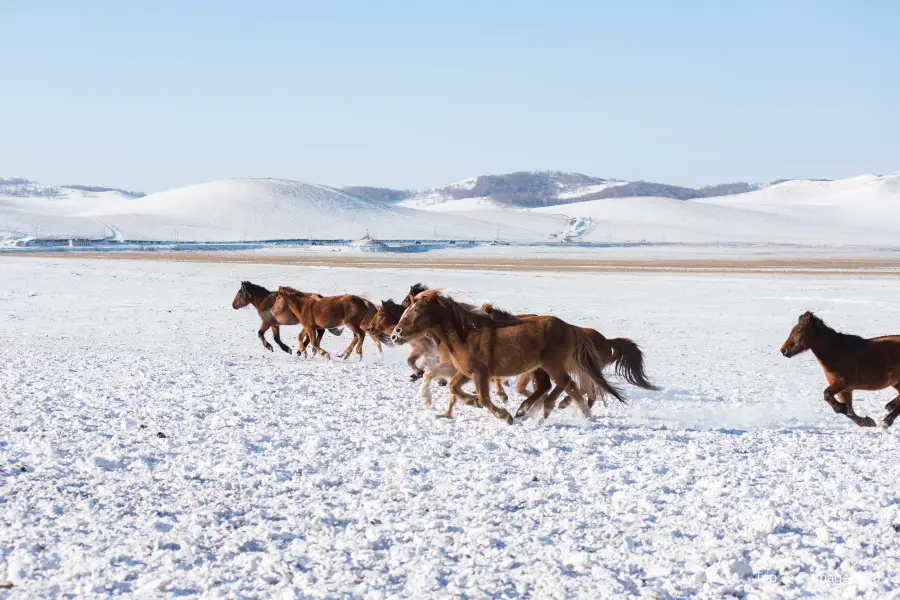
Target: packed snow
152,447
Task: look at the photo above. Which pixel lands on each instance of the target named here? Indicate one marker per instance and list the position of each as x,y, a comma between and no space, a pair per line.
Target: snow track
278,477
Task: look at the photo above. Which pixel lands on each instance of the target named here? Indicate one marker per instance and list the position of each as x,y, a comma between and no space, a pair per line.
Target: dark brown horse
314,312
482,347
850,363
263,300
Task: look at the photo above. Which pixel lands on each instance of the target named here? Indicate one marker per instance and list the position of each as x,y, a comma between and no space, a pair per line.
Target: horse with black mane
264,301
850,363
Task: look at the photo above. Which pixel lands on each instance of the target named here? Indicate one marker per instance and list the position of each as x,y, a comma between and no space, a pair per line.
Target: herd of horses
457,343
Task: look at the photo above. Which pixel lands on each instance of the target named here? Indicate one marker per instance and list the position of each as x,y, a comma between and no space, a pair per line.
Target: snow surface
283,478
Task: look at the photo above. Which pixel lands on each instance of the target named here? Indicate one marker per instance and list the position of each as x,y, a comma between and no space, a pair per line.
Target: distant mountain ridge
22,188
531,189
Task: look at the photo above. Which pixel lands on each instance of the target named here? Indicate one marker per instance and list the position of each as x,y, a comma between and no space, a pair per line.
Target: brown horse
263,301
625,356
850,363
316,312
386,318
483,346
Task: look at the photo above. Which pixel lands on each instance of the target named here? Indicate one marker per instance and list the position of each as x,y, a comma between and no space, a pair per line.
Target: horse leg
276,333
455,389
890,406
439,370
314,339
358,337
411,361
847,399
498,385
262,336
483,389
541,387
562,381
893,410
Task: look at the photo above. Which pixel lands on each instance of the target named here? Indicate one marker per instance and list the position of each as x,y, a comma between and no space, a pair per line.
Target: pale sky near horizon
149,96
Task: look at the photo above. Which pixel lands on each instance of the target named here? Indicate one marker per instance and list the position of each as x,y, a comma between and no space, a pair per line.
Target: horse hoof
444,416
883,425
269,348
868,422
415,377
509,419
442,383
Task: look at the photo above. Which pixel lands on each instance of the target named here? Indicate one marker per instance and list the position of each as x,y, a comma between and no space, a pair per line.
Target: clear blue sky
152,95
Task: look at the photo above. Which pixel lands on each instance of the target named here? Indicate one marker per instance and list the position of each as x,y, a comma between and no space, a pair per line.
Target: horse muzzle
786,353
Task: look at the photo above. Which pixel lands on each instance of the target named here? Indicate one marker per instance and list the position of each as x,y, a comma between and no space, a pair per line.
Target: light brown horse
263,301
482,346
850,363
315,312
625,356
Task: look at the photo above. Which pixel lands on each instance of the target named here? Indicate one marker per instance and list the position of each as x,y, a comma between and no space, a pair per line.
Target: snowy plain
278,477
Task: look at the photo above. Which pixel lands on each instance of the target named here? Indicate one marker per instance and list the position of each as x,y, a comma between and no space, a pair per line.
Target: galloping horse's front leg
839,387
455,387
439,370
276,333
262,336
411,361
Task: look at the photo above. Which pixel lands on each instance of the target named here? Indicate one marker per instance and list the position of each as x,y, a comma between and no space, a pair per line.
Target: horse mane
254,290
414,290
466,318
497,313
391,306
844,340
417,288
285,290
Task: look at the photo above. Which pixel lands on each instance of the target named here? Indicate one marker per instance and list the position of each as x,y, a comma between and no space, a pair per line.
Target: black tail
629,362
336,331
587,366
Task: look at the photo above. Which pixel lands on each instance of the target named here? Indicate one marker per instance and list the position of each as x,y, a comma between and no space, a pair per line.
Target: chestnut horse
426,349
850,363
483,346
625,356
263,301
316,312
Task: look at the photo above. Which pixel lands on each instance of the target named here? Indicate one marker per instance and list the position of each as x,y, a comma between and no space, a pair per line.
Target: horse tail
629,363
586,365
336,331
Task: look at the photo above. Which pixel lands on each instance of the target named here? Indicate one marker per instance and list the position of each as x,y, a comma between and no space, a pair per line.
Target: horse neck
825,345
261,303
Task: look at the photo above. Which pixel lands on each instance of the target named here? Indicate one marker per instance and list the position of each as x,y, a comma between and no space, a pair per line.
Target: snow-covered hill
857,211
258,209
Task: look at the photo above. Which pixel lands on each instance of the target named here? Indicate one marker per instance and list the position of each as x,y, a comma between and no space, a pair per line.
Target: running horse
484,346
264,301
315,312
623,354
850,363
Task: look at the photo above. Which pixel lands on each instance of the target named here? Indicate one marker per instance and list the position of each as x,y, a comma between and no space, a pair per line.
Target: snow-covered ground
150,446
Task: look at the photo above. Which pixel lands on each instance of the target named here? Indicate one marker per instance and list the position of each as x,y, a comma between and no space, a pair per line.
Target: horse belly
512,354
